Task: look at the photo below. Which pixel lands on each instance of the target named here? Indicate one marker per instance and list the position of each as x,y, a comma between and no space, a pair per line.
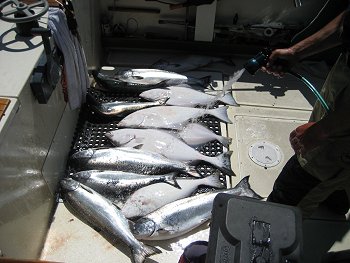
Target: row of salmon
133,191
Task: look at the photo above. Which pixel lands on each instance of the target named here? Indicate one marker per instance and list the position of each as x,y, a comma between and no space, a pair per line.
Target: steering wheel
22,12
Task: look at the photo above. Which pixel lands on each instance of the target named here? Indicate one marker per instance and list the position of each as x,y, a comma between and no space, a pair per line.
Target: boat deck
269,109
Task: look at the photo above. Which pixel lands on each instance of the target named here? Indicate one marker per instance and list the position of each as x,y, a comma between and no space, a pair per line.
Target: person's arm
326,38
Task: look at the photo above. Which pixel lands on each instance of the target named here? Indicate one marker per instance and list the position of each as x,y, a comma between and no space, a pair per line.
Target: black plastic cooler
244,230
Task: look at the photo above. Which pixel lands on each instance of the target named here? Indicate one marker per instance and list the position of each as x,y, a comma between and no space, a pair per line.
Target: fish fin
246,189
136,146
131,224
193,172
163,101
165,230
139,254
171,179
134,142
220,113
228,99
224,163
161,84
205,220
225,141
116,205
86,188
214,181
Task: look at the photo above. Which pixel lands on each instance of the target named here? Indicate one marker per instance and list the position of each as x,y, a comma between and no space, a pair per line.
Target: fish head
133,120
80,158
155,94
114,83
122,138
144,227
68,185
81,176
108,81
124,75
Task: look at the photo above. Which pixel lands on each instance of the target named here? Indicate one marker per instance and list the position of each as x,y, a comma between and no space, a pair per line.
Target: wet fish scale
98,212
181,216
125,159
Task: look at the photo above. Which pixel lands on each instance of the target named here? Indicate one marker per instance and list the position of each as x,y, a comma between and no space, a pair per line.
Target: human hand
279,61
304,139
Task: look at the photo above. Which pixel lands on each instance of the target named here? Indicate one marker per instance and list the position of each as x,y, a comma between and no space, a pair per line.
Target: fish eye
68,184
80,175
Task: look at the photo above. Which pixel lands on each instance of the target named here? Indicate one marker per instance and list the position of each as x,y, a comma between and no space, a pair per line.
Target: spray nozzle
261,59
258,61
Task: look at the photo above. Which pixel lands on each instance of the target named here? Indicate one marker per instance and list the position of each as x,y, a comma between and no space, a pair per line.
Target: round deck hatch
265,154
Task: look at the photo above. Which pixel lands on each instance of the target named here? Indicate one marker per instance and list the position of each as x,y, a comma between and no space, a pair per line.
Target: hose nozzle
258,61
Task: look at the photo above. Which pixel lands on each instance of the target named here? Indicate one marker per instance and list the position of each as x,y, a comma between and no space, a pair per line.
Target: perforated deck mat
92,126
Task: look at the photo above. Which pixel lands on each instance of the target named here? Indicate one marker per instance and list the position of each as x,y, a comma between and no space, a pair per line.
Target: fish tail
223,162
228,99
246,189
171,179
225,141
140,254
214,181
220,113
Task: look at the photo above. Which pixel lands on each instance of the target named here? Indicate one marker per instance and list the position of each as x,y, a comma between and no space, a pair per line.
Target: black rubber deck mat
92,126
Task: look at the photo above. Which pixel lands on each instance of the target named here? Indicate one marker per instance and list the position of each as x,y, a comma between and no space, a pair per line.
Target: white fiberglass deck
269,110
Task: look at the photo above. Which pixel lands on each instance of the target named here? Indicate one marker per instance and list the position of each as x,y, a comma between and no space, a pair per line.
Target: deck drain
265,154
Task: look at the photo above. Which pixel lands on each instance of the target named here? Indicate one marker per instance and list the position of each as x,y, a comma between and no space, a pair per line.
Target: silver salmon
121,85
121,109
100,213
152,197
155,77
184,215
127,160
